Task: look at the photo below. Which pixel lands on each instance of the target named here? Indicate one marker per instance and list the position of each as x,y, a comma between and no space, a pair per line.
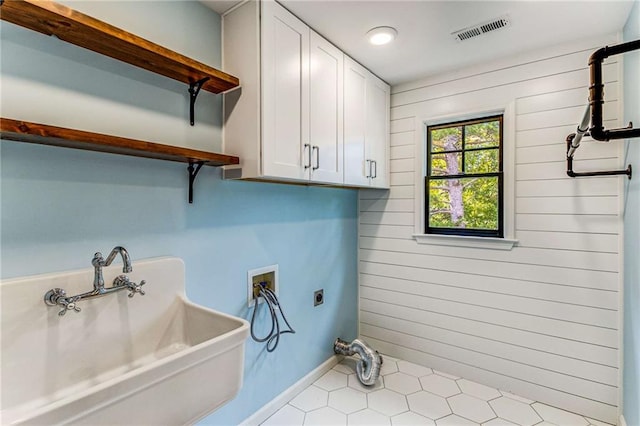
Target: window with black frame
464,182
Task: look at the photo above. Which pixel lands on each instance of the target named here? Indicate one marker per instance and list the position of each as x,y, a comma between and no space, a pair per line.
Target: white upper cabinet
325,114
289,121
366,128
285,90
377,135
356,164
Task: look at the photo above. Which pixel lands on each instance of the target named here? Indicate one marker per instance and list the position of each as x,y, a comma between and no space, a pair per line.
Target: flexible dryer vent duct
368,368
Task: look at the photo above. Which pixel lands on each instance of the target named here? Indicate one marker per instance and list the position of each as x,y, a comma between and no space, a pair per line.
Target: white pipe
368,368
583,127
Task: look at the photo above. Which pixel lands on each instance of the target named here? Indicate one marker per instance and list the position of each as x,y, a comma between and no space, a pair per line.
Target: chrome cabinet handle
375,169
317,150
306,145
369,167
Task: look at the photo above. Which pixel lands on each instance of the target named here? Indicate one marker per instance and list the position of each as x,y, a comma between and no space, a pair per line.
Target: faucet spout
126,260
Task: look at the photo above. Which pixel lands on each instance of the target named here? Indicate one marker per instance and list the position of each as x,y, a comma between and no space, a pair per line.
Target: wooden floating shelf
51,18
23,131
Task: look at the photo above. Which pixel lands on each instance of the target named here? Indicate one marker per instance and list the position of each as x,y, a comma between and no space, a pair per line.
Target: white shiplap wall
541,320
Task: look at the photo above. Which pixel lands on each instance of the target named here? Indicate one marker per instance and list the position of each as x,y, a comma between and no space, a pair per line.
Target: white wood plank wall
541,320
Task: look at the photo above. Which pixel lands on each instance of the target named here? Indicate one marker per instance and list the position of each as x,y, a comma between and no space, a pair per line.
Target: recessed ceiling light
381,35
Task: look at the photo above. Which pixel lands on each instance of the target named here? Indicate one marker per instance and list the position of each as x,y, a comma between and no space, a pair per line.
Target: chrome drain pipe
368,368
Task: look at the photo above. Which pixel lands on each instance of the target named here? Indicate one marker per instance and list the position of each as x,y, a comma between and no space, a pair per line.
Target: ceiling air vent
482,28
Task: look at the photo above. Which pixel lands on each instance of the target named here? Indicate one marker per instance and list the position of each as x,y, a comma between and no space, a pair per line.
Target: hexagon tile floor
409,394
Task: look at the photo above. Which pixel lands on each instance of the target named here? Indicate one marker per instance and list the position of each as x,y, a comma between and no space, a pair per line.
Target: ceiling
424,45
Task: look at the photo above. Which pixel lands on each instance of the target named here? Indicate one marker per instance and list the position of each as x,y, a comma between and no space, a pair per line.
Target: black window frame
496,233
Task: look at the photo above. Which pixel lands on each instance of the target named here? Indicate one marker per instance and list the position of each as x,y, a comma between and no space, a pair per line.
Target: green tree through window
464,178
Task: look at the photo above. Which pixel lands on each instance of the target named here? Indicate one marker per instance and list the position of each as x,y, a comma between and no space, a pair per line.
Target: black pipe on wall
596,93
596,102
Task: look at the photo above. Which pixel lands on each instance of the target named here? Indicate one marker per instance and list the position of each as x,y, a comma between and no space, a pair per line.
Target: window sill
466,241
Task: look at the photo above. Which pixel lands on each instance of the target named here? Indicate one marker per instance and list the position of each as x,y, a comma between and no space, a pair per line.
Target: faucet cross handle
124,281
68,305
136,288
58,297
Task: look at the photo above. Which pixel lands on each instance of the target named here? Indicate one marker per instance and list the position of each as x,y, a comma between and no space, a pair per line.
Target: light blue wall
631,380
59,206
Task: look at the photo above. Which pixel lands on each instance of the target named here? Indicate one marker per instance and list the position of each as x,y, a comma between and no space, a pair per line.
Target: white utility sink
152,359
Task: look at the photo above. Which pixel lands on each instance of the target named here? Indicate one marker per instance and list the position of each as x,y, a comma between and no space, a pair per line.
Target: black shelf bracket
193,172
194,89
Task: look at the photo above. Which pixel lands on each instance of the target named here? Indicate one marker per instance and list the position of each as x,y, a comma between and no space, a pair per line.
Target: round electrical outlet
318,297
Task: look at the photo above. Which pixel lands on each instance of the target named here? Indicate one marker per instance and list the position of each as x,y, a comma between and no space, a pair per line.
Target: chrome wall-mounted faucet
99,262
58,297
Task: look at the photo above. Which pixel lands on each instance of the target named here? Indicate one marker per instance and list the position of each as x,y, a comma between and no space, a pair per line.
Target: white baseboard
622,421
279,401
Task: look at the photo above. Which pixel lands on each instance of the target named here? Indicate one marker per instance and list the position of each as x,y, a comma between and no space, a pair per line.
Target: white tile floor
409,394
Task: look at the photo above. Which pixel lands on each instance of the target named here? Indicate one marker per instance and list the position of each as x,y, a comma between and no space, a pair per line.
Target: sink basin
153,359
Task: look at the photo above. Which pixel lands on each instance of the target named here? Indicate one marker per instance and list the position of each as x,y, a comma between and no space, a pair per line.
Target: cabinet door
377,132
325,116
356,166
285,93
